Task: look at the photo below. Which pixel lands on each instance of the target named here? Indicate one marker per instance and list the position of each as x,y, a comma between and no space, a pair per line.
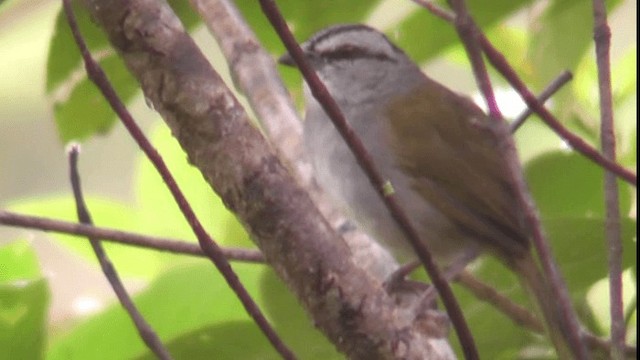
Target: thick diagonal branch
348,305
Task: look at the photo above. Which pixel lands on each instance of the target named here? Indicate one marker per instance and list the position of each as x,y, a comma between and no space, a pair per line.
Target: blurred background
33,162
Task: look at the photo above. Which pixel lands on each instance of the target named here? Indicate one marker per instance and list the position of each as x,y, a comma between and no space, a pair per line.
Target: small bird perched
436,148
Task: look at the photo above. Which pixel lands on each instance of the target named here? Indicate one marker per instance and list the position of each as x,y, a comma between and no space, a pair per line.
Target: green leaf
535,139
560,37
292,323
185,12
509,40
24,300
159,214
18,261
598,303
303,17
423,36
496,335
231,340
85,112
187,298
580,248
624,75
565,184
420,34
64,57
79,108
623,78
128,260
585,89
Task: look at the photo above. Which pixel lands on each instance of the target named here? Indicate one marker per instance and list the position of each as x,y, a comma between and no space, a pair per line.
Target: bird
438,150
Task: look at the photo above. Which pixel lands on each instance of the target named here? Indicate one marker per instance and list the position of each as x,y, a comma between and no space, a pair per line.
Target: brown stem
575,141
345,302
209,247
468,33
597,343
515,312
551,89
514,169
522,316
254,72
602,37
148,335
329,105
122,237
501,64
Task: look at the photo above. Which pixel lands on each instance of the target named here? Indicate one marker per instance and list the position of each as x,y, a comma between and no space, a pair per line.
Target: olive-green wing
453,154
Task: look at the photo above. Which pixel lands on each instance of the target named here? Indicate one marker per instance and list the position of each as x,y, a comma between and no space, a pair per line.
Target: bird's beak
287,60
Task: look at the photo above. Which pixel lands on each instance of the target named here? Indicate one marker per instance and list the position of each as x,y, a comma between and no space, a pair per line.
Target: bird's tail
555,320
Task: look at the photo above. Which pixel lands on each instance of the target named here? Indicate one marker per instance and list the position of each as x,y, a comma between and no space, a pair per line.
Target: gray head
354,57
345,43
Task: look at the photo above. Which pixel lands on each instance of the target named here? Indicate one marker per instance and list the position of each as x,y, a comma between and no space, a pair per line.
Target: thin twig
436,10
598,343
332,109
522,316
254,73
468,33
239,164
145,330
552,274
551,89
111,235
602,37
500,63
575,141
209,247
515,312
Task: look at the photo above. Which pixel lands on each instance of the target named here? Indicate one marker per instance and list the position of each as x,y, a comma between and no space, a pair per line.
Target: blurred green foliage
24,301
189,304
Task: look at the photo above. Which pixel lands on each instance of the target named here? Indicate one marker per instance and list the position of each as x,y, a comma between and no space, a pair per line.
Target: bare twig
515,312
254,73
523,316
602,37
501,64
552,274
551,89
468,33
321,94
145,330
436,10
346,303
122,237
207,244
575,141
598,343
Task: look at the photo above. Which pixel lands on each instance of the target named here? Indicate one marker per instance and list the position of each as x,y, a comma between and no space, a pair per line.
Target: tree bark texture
345,302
